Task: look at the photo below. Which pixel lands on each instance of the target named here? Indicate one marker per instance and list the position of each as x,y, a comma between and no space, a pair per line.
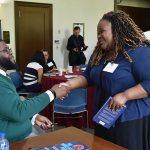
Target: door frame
32,4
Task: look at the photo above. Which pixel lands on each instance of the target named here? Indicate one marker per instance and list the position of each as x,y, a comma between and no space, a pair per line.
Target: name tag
110,67
50,64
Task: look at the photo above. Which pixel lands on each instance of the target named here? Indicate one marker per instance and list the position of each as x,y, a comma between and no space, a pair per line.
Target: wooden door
139,15
33,28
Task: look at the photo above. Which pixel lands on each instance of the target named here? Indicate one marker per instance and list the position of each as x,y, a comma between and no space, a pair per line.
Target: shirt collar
2,72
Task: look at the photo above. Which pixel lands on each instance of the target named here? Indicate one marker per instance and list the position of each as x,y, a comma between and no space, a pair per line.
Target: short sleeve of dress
141,67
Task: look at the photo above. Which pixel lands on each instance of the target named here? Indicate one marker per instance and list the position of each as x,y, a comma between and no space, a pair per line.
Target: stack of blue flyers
73,145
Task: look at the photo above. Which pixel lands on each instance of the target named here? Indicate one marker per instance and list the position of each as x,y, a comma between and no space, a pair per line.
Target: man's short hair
44,50
76,28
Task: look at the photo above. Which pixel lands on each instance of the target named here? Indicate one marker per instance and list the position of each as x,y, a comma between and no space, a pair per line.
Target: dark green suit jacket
15,114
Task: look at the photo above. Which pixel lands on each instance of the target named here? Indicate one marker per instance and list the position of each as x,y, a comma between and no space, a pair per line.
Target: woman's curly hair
125,33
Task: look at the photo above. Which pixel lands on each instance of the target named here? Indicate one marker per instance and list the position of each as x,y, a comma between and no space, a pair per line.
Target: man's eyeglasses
6,50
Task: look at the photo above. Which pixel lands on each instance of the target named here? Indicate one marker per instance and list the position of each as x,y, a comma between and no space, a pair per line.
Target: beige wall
65,13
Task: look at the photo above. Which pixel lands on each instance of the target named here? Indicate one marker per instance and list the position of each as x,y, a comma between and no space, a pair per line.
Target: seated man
16,67
15,114
49,63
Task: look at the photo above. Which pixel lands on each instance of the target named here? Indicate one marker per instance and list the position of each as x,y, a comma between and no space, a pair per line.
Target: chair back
83,65
16,78
75,102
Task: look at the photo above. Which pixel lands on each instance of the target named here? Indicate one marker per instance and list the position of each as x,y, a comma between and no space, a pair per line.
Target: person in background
49,63
34,72
120,67
76,47
15,114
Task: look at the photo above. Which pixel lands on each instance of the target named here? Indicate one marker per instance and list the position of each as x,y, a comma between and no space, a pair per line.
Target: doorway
33,29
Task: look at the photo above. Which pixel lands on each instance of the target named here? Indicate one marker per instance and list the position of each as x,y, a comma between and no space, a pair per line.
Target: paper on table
73,145
70,76
50,74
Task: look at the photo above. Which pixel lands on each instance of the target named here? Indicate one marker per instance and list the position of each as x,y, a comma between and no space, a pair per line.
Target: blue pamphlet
107,117
73,145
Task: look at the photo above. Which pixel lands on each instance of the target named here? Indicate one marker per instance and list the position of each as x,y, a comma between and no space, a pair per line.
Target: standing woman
120,67
34,72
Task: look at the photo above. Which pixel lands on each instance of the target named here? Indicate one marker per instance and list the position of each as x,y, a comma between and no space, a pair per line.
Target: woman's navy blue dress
132,129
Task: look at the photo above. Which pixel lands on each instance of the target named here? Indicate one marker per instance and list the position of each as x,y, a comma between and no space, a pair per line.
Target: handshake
61,90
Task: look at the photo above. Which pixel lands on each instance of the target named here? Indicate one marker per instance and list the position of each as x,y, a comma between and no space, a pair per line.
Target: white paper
50,64
110,67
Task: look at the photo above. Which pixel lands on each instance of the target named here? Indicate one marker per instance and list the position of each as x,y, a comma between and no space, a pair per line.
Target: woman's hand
64,84
117,101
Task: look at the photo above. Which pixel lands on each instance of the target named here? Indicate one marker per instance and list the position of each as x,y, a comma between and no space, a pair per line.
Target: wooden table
65,135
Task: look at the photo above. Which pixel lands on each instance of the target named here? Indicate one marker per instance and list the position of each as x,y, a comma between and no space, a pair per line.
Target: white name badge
50,64
110,67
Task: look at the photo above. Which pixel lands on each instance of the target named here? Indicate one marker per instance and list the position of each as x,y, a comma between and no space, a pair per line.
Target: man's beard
7,64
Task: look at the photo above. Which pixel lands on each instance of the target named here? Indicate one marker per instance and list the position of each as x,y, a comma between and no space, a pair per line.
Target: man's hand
61,91
43,122
75,49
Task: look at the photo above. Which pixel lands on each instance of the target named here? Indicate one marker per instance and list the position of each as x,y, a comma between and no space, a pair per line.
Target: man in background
15,114
49,63
76,47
